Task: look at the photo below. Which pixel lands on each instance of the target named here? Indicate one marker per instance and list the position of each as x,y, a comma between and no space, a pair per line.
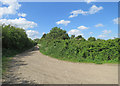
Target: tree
65,36
72,36
44,35
79,37
57,33
82,39
99,39
91,39
36,41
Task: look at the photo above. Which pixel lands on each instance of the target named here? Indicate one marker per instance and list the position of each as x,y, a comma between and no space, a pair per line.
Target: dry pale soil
34,67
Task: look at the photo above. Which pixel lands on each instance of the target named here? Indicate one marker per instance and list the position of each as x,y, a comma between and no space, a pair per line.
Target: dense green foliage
72,36
79,37
14,41
91,39
15,38
56,33
79,50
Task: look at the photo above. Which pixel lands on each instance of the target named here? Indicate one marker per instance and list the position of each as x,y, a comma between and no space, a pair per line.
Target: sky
89,18
68,0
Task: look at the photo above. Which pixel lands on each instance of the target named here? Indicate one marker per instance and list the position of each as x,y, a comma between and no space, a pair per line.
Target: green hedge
15,38
14,41
99,51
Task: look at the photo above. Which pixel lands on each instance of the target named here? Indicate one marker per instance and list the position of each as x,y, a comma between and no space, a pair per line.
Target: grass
5,63
7,57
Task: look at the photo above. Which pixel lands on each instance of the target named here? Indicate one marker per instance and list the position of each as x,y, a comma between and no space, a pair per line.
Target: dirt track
32,66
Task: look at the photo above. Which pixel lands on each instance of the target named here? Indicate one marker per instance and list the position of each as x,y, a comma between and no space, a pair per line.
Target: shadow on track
9,77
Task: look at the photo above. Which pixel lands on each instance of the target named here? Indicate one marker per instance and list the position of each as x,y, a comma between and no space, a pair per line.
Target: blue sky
98,19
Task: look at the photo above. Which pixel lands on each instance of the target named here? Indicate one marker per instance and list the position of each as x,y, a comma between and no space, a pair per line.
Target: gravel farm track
33,67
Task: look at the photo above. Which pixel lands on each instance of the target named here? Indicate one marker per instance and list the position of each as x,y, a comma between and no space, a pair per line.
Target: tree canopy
79,37
91,39
56,33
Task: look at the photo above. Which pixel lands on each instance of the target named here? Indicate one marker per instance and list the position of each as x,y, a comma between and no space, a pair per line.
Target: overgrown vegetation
14,41
58,44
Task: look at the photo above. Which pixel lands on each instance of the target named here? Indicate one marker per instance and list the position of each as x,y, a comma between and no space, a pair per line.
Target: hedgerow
81,50
15,38
14,41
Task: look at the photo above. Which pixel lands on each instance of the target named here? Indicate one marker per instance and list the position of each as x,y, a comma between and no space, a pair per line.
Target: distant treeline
14,40
58,44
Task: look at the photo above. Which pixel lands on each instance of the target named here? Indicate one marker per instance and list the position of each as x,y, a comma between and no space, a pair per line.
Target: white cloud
77,12
75,32
99,25
63,22
32,34
116,20
12,8
21,23
94,9
88,1
22,14
82,27
106,31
